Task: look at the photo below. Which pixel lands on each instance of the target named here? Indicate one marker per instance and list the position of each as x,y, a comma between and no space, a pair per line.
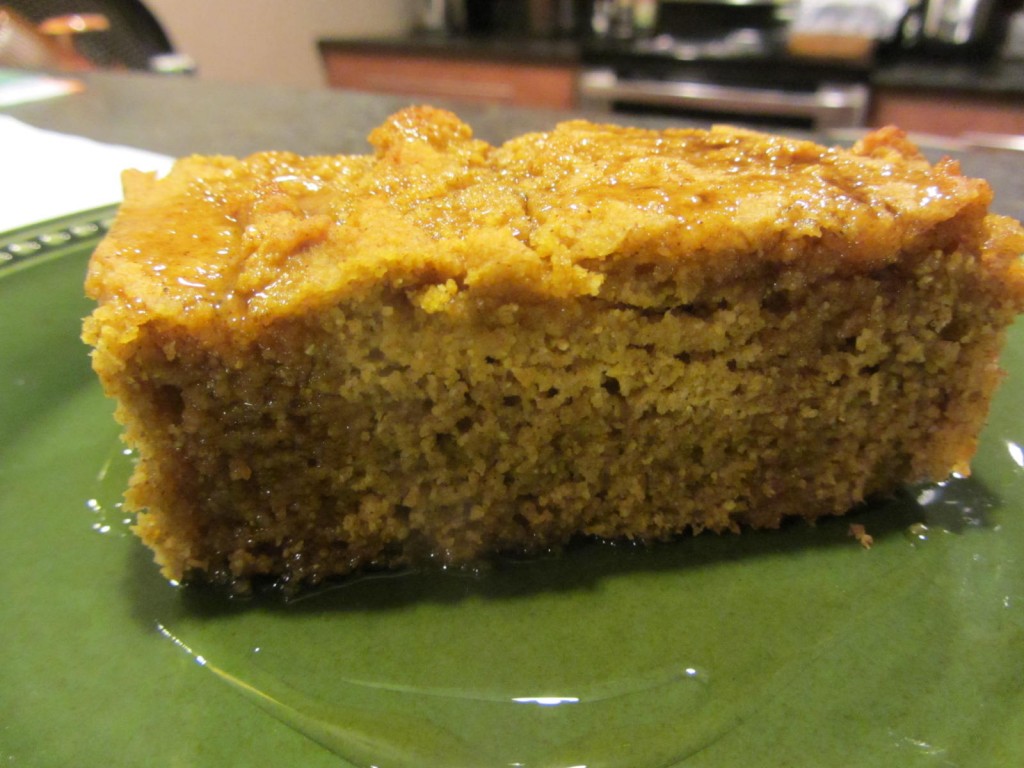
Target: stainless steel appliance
967,24
965,30
725,60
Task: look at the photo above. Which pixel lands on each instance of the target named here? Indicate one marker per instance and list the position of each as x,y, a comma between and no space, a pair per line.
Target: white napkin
44,174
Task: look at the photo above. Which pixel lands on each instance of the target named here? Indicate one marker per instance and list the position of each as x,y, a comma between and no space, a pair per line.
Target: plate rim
41,241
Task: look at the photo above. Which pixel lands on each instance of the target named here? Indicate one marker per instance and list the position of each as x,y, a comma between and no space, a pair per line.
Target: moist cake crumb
446,349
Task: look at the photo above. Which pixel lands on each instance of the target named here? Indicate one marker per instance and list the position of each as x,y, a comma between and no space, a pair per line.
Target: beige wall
272,41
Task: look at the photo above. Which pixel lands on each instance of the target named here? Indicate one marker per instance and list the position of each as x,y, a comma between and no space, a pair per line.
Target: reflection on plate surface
796,647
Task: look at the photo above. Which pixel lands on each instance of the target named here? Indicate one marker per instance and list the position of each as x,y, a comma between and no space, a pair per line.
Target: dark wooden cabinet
947,113
522,84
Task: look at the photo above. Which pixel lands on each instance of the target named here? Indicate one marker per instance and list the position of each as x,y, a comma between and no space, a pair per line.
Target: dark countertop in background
179,115
996,77
532,50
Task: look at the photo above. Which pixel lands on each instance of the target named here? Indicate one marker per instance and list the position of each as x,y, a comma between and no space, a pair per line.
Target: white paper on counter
45,174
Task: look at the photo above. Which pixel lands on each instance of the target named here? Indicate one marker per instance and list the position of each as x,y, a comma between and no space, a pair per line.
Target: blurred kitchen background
943,68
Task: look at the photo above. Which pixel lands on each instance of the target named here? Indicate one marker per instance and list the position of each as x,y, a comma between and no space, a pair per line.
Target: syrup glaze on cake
447,349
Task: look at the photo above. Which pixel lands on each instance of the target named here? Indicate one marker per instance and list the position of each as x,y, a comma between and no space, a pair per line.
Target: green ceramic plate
790,648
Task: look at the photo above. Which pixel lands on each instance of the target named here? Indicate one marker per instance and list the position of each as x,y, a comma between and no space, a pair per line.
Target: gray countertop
181,115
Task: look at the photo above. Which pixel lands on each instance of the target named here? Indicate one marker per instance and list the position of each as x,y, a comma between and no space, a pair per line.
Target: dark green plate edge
39,242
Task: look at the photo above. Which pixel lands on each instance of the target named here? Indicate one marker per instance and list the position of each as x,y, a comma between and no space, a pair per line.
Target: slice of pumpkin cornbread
447,349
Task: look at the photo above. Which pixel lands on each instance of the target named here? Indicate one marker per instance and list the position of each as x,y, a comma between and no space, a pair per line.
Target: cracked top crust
434,212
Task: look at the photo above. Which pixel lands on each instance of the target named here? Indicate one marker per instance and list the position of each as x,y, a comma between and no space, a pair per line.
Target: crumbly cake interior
446,349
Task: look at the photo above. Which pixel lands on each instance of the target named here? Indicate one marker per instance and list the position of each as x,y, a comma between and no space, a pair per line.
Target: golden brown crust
448,348
555,211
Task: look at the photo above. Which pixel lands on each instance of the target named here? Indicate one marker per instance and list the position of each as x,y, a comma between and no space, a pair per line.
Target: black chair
135,38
